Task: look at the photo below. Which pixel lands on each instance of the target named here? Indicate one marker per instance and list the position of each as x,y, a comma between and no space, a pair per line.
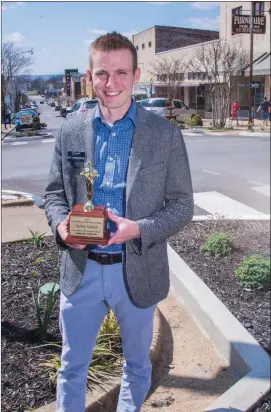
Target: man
144,179
264,107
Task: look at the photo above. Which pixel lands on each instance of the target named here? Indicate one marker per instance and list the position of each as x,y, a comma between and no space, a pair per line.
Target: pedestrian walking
264,108
235,107
144,179
8,117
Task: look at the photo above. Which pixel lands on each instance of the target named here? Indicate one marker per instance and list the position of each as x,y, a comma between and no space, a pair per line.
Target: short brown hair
113,41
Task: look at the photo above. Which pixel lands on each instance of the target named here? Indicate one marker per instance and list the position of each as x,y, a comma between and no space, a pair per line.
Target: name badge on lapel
76,156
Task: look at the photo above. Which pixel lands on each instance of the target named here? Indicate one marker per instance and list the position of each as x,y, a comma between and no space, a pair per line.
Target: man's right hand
62,229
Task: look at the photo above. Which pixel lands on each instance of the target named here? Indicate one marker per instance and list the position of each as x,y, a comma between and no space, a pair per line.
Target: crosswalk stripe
18,143
49,141
265,190
216,203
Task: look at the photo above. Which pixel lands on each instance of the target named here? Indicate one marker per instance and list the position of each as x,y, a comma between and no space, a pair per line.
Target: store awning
261,67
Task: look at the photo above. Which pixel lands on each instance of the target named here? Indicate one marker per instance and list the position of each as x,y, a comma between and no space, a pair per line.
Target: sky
60,31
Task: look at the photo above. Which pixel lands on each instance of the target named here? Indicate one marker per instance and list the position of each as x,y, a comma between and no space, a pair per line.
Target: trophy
87,223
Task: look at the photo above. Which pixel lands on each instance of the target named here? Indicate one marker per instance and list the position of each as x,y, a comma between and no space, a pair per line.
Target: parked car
57,107
32,108
64,111
160,105
82,105
24,119
42,101
52,104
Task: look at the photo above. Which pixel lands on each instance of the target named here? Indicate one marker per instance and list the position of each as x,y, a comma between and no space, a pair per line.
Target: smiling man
144,179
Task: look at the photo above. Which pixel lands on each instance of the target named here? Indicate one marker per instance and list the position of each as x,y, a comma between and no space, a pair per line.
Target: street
230,173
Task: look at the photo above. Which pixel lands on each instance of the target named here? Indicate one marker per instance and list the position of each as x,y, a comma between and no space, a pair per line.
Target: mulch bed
25,384
250,307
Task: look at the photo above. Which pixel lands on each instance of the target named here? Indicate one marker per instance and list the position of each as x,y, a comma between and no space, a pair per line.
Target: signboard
253,85
241,24
25,119
68,73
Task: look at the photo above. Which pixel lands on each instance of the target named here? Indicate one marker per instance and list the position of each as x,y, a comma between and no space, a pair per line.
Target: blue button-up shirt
112,145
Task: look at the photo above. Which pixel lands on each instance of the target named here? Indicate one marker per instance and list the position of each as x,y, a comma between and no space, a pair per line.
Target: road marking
216,203
254,134
192,134
265,190
210,171
18,143
49,141
257,183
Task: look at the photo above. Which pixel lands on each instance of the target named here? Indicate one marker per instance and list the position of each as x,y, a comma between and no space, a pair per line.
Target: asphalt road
236,168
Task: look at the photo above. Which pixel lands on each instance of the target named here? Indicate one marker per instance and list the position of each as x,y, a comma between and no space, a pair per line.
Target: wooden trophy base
88,228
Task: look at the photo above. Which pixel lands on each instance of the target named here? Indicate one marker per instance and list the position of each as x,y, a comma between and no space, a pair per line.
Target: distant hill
45,76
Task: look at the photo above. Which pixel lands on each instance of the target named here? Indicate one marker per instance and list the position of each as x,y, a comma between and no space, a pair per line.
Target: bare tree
14,60
170,73
220,64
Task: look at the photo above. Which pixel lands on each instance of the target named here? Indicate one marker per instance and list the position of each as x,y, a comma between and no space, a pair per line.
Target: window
75,107
237,10
143,46
258,8
149,43
90,104
153,103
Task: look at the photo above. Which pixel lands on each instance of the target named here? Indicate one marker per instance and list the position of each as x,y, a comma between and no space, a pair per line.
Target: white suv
82,105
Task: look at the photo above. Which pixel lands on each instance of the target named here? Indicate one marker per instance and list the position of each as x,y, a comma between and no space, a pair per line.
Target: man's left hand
126,230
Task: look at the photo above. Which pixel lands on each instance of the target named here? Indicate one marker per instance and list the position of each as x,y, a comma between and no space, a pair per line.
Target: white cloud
15,37
129,33
204,5
46,51
56,59
97,31
88,42
205,23
10,5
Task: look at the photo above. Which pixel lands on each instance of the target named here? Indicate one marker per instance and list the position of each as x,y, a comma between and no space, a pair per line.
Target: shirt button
114,134
107,183
111,159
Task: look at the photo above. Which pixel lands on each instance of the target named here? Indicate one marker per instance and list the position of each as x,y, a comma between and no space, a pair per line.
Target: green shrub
218,245
31,133
254,272
43,124
194,121
17,134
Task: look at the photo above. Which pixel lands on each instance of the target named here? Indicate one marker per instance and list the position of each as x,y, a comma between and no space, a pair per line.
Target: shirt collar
131,114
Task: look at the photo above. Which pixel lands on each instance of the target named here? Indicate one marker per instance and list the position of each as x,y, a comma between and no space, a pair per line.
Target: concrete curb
203,218
109,399
27,138
236,345
4,134
34,198
17,202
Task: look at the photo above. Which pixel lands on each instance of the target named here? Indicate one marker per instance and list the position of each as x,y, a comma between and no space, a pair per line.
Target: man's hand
62,229
126,230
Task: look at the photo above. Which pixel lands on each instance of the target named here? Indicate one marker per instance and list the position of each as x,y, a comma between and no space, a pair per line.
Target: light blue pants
81,315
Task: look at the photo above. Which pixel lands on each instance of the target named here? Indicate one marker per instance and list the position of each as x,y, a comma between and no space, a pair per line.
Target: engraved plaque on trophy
87,223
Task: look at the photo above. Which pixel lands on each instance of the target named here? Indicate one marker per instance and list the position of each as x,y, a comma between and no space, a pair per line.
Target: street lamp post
250,121
151,82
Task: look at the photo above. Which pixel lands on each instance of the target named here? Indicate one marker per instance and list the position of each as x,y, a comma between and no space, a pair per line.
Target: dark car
58,107
52,104
64,111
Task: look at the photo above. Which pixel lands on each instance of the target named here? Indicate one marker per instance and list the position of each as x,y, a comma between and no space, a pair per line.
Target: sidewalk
5,132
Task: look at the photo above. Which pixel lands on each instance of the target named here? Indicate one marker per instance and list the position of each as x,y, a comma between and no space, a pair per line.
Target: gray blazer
159,198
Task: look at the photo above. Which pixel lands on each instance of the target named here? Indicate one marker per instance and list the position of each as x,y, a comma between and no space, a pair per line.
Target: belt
105,258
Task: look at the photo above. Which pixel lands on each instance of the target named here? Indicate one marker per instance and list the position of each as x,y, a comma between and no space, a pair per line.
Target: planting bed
250,307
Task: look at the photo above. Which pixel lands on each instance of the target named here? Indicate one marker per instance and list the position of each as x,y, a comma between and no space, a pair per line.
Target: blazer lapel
137,150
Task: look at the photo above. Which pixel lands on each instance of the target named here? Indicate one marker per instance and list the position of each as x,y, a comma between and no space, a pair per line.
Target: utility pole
250,121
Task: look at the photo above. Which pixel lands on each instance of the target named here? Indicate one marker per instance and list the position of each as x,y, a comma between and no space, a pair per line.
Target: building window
237,10
258,8
143,46
149,43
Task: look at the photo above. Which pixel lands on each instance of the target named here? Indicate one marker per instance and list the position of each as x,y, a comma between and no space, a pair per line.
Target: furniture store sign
241,24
